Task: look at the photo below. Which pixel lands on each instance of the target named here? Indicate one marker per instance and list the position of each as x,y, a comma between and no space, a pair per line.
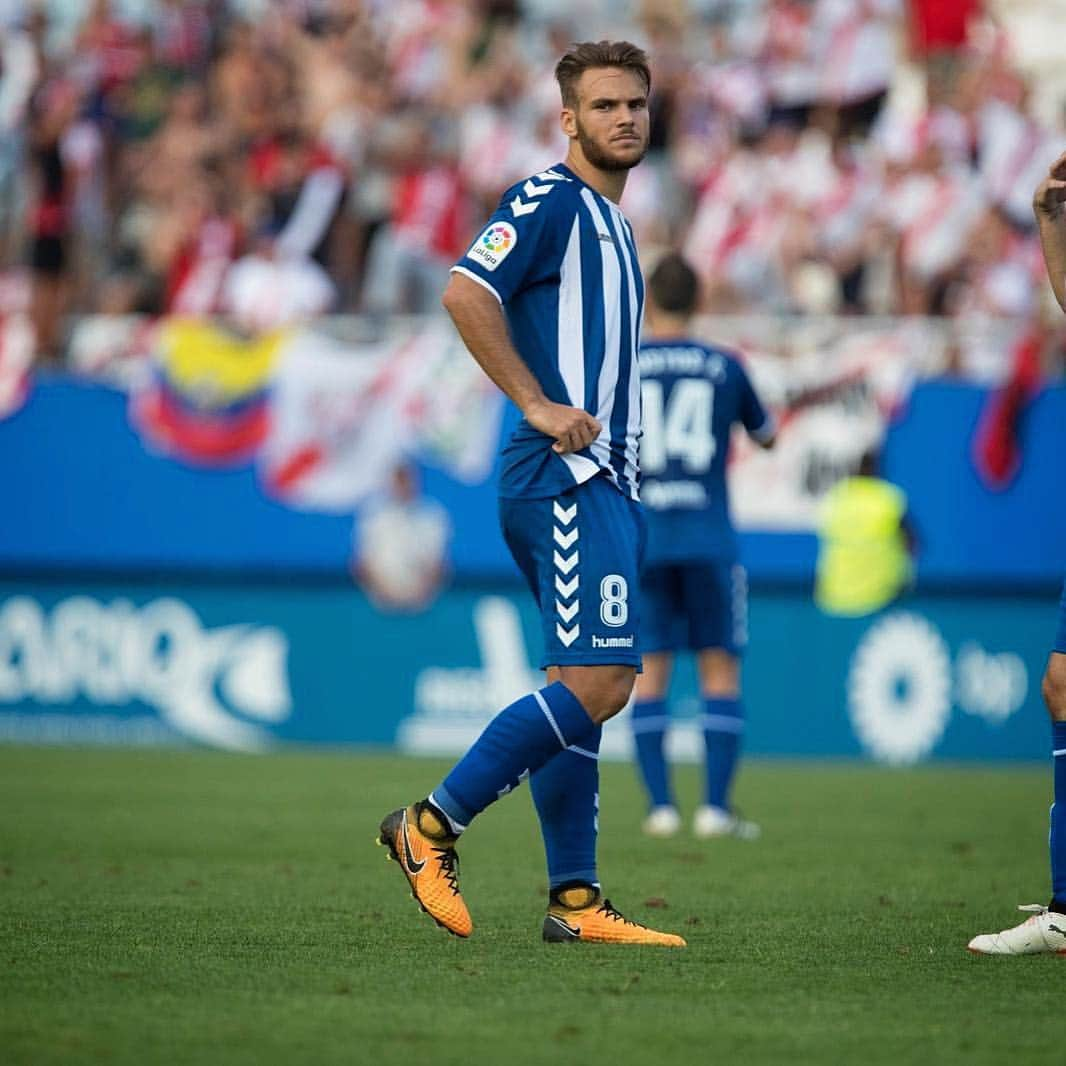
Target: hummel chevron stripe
520,208
564,540
566,589
564,515
530,189
565,565
567,613
567,636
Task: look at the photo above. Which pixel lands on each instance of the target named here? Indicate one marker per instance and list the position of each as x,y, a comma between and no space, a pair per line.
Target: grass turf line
193,907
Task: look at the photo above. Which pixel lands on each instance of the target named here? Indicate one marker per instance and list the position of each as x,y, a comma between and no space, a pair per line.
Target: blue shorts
1060,636
580,552
694,606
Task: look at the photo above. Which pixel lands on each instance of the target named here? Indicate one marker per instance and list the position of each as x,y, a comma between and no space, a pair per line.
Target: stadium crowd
271,160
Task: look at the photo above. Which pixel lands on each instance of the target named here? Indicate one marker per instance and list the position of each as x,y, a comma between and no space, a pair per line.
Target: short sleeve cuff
480,280
767,431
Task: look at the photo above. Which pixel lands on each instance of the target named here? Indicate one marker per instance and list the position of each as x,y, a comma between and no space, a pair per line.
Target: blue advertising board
83,492
248,666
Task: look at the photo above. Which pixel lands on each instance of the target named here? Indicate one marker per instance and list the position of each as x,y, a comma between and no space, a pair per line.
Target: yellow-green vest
863,561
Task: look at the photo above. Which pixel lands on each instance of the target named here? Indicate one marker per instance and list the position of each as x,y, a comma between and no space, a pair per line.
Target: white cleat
1044,933
711,822
662,822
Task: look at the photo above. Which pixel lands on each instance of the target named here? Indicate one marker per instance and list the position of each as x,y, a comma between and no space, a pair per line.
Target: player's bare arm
1049,206
480,321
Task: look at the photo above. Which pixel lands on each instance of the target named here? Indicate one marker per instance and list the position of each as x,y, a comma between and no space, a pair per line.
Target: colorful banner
116,508
342,418
17,345
324,420
205,401
834,385
326,414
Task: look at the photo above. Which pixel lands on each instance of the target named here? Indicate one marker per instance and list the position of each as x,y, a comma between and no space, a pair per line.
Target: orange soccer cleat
426,854
582,914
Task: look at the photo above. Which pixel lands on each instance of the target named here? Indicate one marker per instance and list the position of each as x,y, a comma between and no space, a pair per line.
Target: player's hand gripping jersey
692,397
561,260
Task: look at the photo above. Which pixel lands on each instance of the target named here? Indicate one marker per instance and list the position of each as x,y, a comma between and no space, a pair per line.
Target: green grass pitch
192,907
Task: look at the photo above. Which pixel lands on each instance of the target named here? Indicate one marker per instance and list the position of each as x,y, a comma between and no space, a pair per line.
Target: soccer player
693,589
549,301
1045,931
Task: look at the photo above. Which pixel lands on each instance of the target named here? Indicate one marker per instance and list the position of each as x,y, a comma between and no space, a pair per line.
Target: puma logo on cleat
1056,929
413,866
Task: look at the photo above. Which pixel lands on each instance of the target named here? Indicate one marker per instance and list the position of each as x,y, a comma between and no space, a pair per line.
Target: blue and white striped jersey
562,261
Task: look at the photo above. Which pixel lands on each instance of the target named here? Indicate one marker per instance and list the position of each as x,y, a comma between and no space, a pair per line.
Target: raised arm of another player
760,424
479,318
1049,206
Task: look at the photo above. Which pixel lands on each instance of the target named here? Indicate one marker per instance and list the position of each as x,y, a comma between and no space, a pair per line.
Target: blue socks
649,722
566,792
1057,836
723,726
515,744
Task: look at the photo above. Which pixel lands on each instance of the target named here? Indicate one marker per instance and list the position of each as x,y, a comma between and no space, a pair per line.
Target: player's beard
599,158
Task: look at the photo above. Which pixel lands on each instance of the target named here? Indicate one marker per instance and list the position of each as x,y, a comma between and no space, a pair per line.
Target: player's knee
603,693
723,687
719,674
1054,688
614,697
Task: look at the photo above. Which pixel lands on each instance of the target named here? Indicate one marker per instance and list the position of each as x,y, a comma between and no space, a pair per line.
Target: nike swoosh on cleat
413,866
568,929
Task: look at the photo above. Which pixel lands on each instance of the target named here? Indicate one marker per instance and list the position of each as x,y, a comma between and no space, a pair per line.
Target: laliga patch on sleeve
494,245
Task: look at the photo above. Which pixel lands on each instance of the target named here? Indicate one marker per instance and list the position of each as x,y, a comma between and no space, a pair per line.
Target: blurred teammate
693,589
1045,931
549,299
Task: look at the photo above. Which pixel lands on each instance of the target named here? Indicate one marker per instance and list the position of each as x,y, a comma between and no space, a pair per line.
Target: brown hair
673,285
592,54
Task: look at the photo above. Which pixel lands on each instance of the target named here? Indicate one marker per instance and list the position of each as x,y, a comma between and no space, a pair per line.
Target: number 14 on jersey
679,426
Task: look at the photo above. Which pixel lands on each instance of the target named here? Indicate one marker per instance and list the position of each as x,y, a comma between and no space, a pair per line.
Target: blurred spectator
181,30
400,546
206,249
107,48
426,232
857,62
52,113
20,69
271,287
794,157
938,27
